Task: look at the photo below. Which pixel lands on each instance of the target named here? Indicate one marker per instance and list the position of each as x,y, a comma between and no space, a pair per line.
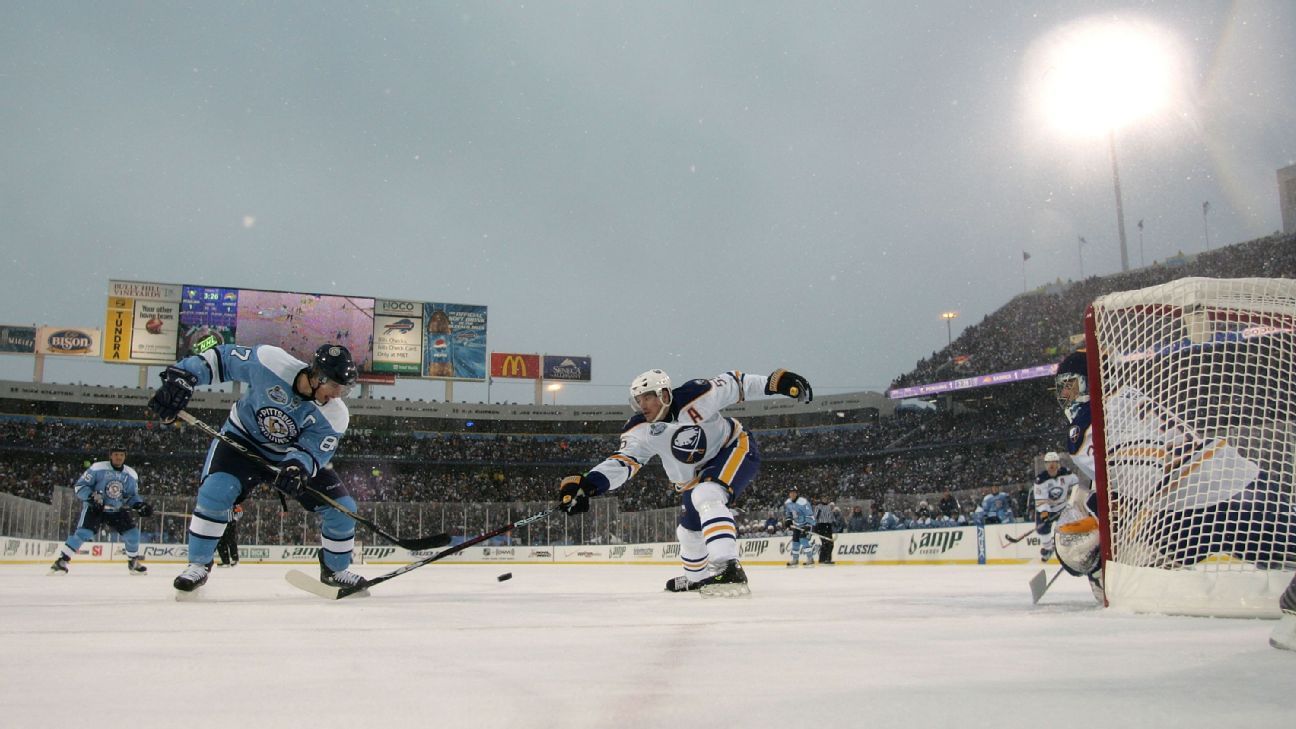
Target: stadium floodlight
1096,76
949,317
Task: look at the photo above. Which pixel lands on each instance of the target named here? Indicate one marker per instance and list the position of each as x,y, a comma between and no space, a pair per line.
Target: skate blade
739,589
191,596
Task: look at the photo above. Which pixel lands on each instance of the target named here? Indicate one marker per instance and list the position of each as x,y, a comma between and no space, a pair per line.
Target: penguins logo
276,426
114,489
689,445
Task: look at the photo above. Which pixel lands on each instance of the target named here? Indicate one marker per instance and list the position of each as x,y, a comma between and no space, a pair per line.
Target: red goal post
1194,437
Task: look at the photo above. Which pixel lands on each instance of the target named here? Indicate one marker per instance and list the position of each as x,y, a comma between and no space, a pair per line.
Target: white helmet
1052,457
655,381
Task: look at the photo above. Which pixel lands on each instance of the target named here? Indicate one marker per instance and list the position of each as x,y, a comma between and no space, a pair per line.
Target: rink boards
960,545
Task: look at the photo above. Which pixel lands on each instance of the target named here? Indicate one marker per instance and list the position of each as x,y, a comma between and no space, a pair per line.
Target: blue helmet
333,363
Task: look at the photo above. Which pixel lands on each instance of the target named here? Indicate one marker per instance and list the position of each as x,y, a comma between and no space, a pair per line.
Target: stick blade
428,542
1038,584
303,581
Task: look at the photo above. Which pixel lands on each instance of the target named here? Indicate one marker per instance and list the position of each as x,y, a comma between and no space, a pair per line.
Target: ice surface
603,646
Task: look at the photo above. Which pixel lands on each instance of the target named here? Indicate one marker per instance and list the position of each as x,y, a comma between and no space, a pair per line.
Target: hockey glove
172,397
292,480
574,495
144,509
791,384
96,500
787,523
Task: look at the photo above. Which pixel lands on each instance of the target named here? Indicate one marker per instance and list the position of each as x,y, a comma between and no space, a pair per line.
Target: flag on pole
1083,242
1025,256
1140,224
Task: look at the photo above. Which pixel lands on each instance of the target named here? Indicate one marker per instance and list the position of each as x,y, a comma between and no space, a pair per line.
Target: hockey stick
1038,586
1014,540
303,581
1052,517
428,542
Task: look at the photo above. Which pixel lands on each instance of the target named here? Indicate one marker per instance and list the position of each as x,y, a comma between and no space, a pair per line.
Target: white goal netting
1195,440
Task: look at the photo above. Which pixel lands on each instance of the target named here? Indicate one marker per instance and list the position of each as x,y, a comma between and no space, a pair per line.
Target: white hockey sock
693,553
718,527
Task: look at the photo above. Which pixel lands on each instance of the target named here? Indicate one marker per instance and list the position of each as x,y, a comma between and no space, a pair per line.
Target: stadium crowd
977,448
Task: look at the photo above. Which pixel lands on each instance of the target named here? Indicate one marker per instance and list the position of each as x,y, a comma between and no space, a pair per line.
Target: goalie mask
1072,382
656,382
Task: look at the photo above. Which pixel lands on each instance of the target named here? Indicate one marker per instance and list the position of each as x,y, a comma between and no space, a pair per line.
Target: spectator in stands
948,505
857,521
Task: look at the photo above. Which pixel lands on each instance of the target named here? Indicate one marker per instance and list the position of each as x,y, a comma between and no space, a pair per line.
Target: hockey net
1194,433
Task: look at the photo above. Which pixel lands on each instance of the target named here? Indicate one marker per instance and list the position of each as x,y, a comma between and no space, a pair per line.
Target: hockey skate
682,584
136,565
809,560
1284,633
730,581
794,562
193,577
341,578
1096,585
59,567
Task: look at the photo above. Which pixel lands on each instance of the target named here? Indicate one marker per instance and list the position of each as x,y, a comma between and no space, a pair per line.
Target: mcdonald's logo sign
517,366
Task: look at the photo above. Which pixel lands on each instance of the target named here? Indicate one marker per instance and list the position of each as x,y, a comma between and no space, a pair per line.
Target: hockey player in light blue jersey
710,458
109,493
800,519
293,416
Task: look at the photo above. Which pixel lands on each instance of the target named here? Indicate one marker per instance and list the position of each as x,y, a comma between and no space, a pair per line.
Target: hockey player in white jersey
1051,493
109,492
799,518
710,458
292,415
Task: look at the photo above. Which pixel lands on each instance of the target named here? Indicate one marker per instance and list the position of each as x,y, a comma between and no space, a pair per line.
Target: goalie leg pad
1079,546
1284,633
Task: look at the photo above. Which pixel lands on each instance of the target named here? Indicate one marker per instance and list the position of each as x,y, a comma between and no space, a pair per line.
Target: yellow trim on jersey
735,460
629,462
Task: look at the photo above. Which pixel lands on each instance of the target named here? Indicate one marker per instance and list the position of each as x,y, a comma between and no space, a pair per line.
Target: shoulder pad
687,393
337,414
636,419
278,361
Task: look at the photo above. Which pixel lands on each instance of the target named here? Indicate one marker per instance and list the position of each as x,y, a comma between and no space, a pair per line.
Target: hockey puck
505,576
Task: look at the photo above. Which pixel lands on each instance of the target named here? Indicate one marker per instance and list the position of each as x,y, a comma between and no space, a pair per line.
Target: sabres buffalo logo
689,445
400,325
276,426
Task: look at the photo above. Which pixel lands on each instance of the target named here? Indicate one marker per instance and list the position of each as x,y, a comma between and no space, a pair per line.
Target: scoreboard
158,323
